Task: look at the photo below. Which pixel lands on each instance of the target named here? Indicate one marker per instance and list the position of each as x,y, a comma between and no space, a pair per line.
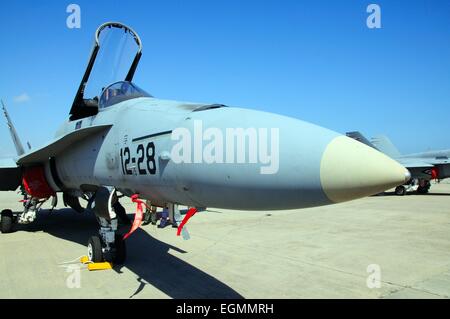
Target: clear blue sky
312,60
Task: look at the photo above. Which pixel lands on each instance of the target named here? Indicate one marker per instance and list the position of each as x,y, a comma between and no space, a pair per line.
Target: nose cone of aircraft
350,169
308,165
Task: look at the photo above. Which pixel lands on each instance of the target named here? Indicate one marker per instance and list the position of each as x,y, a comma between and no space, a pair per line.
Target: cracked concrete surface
312,253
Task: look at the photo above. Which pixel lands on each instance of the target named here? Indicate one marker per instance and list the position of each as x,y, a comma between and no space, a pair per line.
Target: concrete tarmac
378,247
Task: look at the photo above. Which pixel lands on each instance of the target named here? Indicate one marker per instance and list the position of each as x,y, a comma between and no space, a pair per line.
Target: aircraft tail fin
384,145
360,138
19,147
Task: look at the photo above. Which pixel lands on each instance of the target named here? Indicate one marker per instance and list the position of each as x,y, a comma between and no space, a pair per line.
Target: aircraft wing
440,161
414,163
60,144
10,175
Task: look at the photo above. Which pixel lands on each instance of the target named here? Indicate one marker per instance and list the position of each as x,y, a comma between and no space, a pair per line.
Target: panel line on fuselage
137,139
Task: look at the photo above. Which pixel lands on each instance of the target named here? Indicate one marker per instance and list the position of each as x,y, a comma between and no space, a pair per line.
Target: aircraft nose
350,170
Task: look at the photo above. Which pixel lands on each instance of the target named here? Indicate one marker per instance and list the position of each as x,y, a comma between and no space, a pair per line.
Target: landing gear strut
150,214
31,206
121,213
424,187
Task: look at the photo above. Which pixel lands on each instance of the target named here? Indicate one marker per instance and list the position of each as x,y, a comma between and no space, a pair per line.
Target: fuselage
308,165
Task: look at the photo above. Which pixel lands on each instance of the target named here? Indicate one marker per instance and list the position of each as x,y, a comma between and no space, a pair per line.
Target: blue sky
312,60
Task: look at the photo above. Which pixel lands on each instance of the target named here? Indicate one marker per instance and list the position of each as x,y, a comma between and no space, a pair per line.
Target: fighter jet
122,141
423,166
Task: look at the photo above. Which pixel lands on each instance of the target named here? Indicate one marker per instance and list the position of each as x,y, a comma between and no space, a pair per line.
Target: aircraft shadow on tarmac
147,257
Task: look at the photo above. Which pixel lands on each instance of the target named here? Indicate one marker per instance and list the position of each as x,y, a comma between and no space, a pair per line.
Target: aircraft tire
121,250
7,221
400,190
95,253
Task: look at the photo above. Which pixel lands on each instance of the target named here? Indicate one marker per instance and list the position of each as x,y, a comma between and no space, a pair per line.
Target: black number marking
126,152
140,150
142,154
151,165
121,161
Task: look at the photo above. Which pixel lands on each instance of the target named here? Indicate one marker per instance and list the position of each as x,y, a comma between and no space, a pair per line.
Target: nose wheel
400,190
98,251
108,246
95,247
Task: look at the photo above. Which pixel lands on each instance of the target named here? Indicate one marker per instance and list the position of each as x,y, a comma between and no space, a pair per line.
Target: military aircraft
125,142
423,166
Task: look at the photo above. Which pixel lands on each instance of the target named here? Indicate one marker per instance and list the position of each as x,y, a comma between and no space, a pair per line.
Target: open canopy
114,58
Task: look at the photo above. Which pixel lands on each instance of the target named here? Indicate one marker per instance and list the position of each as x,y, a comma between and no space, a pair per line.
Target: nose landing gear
424,187
400,190
107,246
31,207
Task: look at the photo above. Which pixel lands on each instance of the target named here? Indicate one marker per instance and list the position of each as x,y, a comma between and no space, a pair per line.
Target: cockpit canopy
115,57
119,92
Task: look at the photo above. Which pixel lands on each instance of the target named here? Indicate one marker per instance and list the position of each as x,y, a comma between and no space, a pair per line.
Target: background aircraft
120,139
423,166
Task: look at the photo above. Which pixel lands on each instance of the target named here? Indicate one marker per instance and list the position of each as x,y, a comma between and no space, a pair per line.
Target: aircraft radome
423,167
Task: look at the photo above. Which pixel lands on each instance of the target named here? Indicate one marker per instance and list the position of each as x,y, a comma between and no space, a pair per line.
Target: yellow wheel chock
95,266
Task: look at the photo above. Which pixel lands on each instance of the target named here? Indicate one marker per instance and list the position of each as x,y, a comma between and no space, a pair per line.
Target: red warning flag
191,212
137,216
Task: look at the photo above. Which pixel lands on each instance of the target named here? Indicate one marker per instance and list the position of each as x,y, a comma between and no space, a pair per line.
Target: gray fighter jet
423,166
125,142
